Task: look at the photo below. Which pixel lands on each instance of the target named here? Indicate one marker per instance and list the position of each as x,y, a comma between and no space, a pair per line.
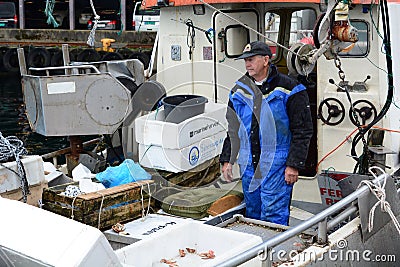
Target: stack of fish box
179,147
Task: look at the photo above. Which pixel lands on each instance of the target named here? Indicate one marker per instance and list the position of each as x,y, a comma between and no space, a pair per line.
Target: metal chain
338,65
342,76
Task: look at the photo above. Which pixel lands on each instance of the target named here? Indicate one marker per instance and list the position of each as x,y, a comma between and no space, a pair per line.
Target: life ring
125,52
112,56
88,55
144,58
3,50
10,60
39,57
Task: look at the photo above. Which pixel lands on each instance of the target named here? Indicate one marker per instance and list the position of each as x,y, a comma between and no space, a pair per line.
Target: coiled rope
13,148
91,37
379,191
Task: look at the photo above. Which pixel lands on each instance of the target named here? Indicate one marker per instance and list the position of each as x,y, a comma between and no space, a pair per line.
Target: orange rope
348,137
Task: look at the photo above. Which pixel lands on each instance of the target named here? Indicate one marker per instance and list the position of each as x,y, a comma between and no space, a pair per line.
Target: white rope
72,207
379,191
141,195
148,206
91,37
12,147
101,207
145,213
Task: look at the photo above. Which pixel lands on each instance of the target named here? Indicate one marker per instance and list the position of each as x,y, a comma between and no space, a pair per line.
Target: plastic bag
127,172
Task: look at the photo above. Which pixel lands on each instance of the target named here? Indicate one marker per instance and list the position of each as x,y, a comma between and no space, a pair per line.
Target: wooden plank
108,217
119,214
65,211
116,189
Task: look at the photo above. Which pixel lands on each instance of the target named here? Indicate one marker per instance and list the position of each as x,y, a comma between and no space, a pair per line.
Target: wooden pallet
118,204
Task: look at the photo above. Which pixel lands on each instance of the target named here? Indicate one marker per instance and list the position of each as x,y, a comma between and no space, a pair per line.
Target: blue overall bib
267,197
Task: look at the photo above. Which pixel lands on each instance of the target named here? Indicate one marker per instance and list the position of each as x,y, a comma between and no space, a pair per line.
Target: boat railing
321,219
69,69
53,156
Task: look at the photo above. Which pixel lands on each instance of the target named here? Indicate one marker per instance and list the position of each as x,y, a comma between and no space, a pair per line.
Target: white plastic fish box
184,159
41,238
33,166
223,242
151,129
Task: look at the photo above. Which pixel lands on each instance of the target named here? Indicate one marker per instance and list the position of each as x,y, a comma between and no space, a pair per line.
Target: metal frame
320,218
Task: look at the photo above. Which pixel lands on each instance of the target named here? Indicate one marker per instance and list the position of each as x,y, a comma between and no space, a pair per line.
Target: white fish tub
151,129
224,243
184,159
31,236
34,173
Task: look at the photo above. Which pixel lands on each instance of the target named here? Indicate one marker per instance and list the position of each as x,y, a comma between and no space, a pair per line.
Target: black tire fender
39,57
125,52
112,56
88,55
3,50
10,60
143,57
57,59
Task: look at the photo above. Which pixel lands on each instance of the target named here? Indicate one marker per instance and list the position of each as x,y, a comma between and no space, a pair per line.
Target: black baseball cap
256,48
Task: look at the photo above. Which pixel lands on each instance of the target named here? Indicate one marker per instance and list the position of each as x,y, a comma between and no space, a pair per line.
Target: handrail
264,247
68,149
47,69
53,155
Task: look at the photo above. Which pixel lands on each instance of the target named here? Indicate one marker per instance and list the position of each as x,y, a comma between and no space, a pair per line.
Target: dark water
13,120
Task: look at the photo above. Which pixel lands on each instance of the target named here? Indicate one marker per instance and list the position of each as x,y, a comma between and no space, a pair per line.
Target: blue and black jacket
285,121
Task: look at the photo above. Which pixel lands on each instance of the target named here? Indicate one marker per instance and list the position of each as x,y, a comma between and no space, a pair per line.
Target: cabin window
360,48
301,28
272,21
237,37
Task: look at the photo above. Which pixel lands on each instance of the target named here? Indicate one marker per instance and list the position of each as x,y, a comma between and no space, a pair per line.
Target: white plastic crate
223,242
34,173
184,159
152,130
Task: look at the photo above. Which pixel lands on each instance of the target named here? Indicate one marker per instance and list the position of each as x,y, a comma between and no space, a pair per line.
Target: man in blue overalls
269,131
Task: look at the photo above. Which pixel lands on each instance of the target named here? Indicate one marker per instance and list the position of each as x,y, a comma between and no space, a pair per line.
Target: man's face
256,65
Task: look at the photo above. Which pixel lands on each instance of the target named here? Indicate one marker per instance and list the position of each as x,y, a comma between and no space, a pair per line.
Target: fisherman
269,132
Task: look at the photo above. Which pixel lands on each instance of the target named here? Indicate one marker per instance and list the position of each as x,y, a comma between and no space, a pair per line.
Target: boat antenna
249,28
